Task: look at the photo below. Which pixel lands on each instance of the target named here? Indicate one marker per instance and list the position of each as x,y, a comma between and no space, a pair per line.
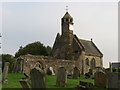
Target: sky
27,22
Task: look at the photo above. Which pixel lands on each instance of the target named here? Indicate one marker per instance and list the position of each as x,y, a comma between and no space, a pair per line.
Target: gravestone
25,84
76,73
101,79
50,71
61,80
114,80
37,76
5,73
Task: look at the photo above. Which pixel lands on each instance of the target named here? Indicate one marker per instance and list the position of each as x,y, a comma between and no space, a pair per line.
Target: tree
8,58
35,48
49,49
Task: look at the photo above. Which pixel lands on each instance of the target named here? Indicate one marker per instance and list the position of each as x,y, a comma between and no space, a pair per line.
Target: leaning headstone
61,77
76,73
114,80
50,71
37,76
5,73
101,79
25,84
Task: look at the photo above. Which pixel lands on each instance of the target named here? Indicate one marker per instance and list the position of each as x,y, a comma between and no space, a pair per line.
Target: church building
68,46
68,51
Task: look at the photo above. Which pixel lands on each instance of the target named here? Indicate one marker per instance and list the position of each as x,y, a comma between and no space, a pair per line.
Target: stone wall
90,64
27,62
30,61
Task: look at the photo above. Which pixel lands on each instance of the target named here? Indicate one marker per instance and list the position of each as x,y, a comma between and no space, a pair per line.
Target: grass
13,81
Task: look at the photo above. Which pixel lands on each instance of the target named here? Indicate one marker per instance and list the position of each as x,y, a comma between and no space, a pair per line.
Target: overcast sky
27,22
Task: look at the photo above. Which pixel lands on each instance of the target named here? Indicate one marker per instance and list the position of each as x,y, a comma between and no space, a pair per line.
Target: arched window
87,62
93,64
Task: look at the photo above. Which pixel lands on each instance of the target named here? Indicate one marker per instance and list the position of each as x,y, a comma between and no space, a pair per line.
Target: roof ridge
86,40
97,48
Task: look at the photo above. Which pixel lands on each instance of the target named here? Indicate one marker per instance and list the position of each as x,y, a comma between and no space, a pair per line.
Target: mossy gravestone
76,73
61,77
37,76
5,73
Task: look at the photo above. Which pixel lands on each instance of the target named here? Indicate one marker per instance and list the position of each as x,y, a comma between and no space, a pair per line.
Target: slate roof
89,47
67,15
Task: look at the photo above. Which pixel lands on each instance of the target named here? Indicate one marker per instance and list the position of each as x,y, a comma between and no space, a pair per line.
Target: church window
70,20
93,63
87,62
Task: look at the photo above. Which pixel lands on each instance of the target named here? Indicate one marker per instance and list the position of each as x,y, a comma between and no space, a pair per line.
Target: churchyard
39,78
13,81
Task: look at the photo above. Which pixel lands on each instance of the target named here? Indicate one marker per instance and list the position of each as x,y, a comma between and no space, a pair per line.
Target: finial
66,8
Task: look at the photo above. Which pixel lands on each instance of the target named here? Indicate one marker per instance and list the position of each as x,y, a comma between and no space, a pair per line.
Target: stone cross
5,73
61,80
37,76
76,73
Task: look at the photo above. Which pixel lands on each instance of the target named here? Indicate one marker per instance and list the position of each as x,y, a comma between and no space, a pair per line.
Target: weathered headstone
76,73
114,80
18,66
101,79
61,77
25,84
37,76
5,73
50,71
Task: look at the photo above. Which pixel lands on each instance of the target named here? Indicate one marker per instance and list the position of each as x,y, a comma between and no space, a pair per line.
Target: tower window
70,20
66,19
87,62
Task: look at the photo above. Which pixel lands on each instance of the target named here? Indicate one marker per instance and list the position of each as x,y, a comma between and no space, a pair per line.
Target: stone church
69,47
68,51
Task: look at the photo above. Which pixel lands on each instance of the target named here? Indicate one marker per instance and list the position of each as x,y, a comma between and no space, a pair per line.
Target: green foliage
13,81
8,58
35,48
116,69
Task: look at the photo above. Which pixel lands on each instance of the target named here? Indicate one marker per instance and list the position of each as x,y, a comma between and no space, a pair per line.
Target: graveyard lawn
13,81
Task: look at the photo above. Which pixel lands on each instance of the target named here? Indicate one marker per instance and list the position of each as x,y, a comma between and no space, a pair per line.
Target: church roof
67,15
90,47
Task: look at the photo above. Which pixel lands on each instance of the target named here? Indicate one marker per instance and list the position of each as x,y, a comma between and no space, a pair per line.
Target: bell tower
67,24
